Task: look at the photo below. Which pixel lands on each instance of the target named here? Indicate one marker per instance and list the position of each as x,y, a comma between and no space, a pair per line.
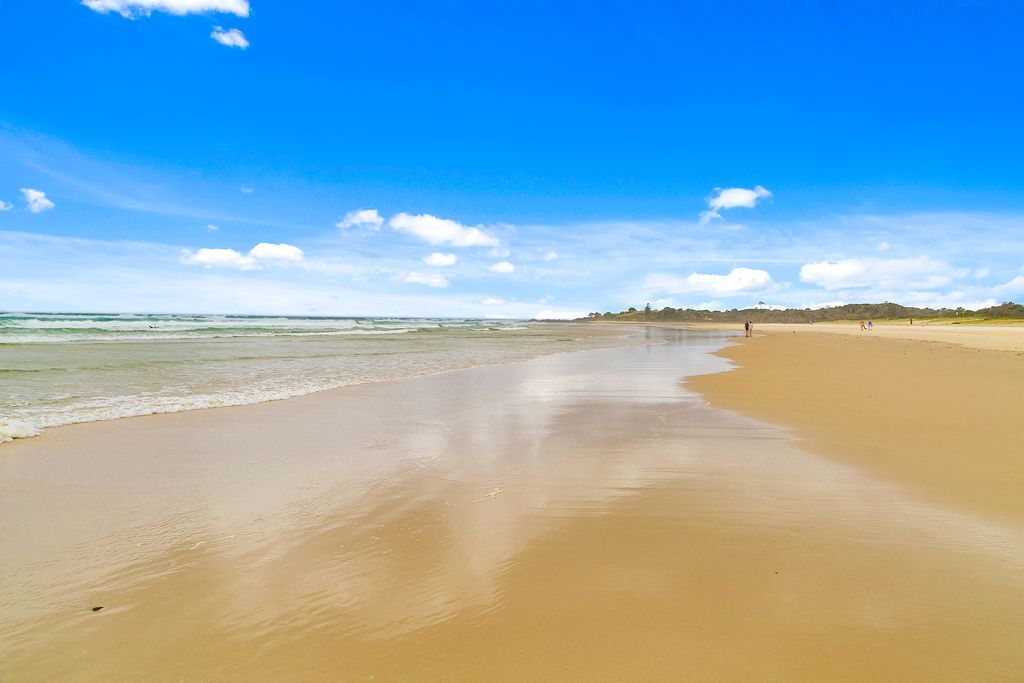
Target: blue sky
200,155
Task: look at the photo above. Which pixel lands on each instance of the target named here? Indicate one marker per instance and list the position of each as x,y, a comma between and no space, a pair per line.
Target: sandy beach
585,515
936,408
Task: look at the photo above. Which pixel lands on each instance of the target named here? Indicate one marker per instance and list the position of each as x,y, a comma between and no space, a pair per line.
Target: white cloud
212,228
247,190
733,198
428,279
910,273
503,267
436,230
276,252
738,281
36,200
550,256
5,206
135,8
231,37
1014,286
369,218
825,304
218,258
559,315
883,246
710,306
492,301
953,299
441,260
981,273
229,258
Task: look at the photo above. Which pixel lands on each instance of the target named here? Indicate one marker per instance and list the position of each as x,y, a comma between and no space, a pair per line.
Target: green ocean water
58,369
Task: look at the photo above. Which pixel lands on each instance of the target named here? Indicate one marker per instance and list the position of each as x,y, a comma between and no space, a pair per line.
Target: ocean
58,369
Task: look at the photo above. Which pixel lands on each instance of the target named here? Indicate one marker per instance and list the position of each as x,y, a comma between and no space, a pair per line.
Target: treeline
883,311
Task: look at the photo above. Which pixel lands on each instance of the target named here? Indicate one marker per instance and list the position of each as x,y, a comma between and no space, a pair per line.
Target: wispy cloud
428,279
5,206
44,272
135,189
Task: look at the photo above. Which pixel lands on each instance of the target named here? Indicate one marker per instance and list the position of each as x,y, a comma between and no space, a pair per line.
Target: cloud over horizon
921,272
737,281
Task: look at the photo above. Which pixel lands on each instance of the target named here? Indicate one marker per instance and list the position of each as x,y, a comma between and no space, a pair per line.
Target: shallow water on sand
578,516
58,369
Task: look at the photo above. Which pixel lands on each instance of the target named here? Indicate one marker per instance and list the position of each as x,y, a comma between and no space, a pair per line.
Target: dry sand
939,413
987,337
576,517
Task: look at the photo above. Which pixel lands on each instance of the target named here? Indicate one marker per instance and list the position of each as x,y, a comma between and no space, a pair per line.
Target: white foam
14,429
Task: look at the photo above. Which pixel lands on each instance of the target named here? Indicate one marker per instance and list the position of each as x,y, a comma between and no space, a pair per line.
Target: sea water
58,369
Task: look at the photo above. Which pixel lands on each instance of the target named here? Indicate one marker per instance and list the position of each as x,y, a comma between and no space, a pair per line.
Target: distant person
862,325
869,325
911,321
750,329
746,329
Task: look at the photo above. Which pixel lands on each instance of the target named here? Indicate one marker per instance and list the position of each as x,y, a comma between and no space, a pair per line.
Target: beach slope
938,410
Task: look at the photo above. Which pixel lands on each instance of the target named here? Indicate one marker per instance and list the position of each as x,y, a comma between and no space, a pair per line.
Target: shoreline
16,430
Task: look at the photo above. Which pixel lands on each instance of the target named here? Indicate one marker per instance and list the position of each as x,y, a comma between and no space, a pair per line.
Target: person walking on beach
746,329
862,326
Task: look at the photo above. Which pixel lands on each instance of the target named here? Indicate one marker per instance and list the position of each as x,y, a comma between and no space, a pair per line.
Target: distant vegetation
764,314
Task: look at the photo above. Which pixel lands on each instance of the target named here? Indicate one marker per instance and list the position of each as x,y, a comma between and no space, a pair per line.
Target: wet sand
582,516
